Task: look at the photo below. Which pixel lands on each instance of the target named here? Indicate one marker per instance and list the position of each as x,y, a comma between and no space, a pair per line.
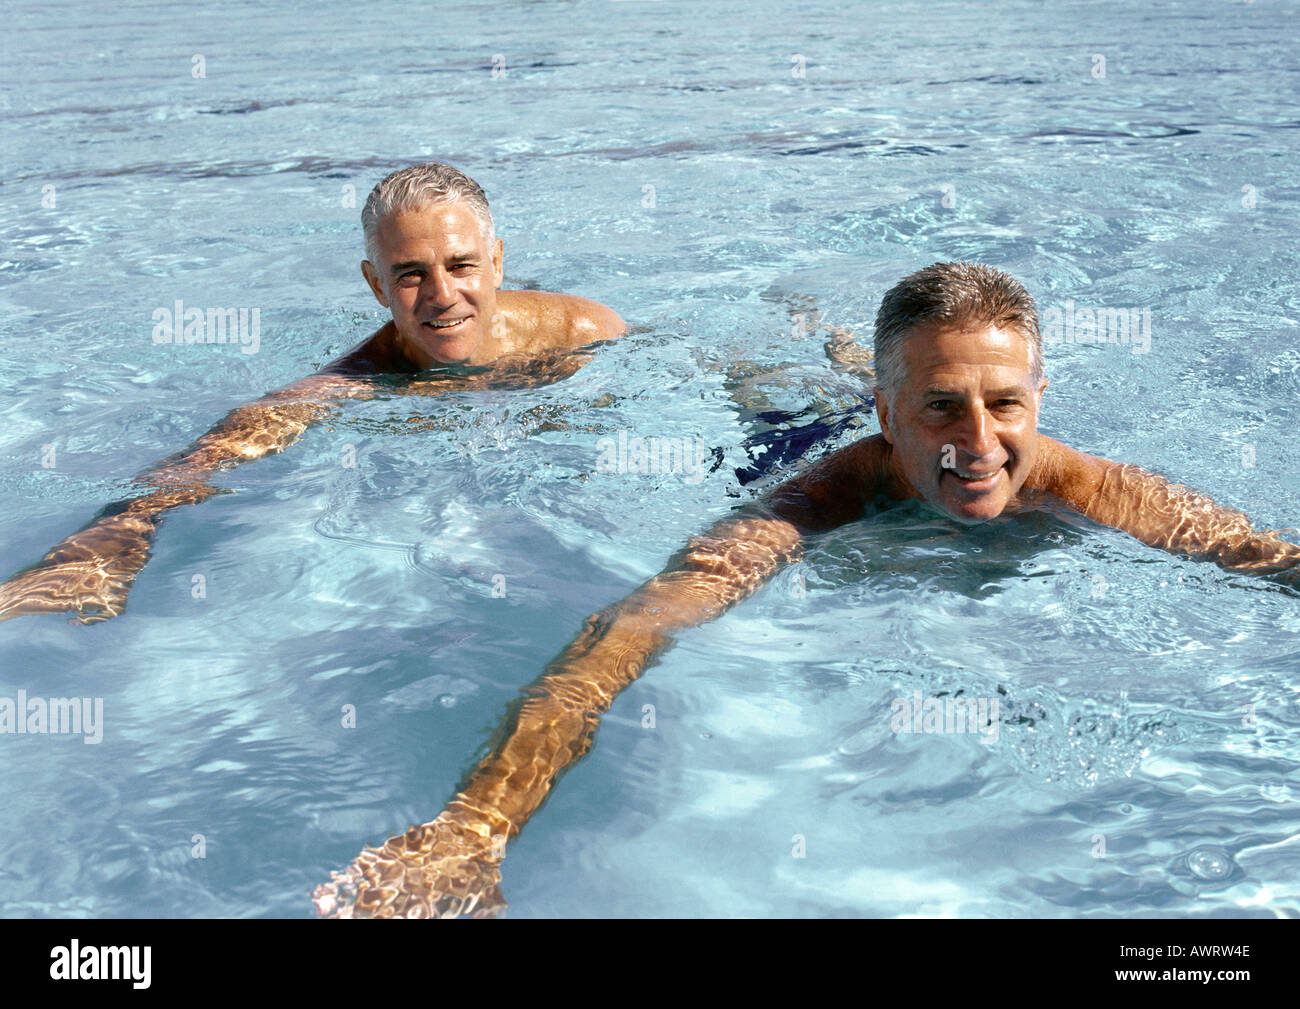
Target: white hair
417,187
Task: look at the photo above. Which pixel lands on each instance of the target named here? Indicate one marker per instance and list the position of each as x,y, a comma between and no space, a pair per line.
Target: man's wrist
475,819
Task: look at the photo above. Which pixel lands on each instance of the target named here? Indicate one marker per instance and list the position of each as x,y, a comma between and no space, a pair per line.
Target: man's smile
975,480
442,324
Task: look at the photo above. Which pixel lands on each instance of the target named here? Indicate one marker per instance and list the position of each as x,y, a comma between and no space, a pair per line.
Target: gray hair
969,293
417,187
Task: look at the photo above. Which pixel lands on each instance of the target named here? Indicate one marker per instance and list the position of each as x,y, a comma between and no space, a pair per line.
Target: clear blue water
371,586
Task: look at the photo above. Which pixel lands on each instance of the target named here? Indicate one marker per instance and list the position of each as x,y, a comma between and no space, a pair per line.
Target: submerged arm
1160,514
555,725
449,866
91,572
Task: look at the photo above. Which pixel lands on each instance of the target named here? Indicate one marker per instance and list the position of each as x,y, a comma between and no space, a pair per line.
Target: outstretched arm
92,570
449,867
1148,507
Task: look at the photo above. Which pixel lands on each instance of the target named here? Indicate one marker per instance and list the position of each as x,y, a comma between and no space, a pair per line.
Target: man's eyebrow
420,264
1003,393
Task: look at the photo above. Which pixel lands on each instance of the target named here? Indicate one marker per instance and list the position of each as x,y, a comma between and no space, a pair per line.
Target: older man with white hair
432,259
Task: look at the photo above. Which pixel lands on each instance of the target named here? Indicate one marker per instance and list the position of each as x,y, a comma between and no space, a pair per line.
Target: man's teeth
975,476
444,325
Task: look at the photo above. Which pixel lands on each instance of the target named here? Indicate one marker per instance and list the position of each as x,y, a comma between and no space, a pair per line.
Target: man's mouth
975,479
445,324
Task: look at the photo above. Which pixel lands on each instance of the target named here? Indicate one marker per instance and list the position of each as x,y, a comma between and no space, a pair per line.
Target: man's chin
972,520
439,360
971,512
423,344
455,353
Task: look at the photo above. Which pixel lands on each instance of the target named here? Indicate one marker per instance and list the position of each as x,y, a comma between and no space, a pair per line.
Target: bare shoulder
590,321
551,321
1073,476
836,489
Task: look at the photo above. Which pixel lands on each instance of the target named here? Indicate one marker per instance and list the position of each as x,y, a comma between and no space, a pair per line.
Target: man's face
439,276
967,407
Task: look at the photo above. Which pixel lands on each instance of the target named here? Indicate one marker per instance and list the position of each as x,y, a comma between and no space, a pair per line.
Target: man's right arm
91,572
448,867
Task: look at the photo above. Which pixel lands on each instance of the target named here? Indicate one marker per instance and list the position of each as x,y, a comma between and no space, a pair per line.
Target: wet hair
959,293
417,187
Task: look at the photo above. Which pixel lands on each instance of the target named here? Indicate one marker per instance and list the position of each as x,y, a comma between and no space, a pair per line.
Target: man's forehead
440,229
934,351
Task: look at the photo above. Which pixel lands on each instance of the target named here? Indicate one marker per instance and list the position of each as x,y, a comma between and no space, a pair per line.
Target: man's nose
978,429
439,288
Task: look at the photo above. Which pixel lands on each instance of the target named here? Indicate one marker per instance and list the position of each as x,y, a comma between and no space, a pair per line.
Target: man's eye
941,404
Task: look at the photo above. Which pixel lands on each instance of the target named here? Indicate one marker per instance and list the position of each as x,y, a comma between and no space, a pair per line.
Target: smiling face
964,421
439,276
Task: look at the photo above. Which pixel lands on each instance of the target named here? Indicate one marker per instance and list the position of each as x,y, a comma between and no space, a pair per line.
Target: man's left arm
1160,514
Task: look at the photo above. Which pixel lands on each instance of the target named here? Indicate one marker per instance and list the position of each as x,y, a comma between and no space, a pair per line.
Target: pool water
674,166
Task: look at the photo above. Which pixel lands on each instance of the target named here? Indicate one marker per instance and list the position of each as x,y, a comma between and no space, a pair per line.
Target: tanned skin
435,266
960,434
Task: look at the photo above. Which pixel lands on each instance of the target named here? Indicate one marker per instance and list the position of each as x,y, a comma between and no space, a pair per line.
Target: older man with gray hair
959,383
432,259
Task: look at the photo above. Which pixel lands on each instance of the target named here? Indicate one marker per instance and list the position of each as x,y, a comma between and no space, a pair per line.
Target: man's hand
443,869
90,572
1266,553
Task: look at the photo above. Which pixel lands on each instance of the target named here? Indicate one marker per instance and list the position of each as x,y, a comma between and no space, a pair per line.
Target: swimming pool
676,168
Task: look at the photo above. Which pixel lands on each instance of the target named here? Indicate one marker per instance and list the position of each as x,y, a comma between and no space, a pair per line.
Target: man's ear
372,278
882,413
498,254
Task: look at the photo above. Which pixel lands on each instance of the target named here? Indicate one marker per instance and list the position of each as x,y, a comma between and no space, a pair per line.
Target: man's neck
893,482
